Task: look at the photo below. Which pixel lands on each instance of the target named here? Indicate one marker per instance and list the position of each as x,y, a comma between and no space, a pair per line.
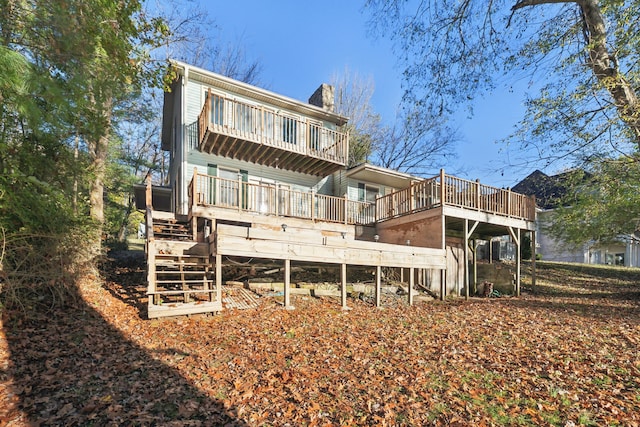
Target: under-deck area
409,230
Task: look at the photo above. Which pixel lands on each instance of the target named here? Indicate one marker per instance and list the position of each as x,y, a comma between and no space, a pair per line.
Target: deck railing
278,200
456,192
262,125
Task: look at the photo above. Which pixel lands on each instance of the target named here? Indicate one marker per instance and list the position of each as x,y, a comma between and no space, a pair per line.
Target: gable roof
548,190
226,83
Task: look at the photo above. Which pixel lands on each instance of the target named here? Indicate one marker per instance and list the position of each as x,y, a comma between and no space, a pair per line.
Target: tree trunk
602,62
98,150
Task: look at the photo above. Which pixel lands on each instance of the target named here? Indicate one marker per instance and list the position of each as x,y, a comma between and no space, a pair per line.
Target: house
548,192
257,177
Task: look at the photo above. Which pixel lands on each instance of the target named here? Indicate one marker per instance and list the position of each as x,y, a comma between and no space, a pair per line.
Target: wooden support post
287,285
412,197
475,266
151,272
443,284
239,192
518,262
465,247
378,284
515,235
185,287
346,208
313,202
411,283
148,193
219,279
343,286
533,262
194,189
443,192
477,194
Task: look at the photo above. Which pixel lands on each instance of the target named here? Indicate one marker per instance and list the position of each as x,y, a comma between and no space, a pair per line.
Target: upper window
217,108
289,127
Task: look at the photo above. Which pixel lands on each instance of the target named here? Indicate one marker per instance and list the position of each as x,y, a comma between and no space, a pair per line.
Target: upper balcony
262,135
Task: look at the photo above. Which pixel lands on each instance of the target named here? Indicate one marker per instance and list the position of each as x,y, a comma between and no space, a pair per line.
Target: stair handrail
150,243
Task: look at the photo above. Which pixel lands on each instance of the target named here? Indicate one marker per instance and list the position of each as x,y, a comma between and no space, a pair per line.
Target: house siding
297,181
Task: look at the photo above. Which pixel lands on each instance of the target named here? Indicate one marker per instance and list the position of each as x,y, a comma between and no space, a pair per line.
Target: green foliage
603,207
68,71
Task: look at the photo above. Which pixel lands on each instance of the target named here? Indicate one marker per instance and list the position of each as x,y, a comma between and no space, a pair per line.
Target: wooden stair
180,276
171,229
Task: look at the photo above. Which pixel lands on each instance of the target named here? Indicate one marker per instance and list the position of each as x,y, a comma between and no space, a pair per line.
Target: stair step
168,282
188,291
186,272
182,257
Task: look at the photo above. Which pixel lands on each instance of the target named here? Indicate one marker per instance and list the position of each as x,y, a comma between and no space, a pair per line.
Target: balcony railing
262,125
457,192
277,200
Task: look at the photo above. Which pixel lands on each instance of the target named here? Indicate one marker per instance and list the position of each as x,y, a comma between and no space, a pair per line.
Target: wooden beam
514,236
411,283
465,246
343,286
378,284
518,262
218,278
533,261
287,285
314,247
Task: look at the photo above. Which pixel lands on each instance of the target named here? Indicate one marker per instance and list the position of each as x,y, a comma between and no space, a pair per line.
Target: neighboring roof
548,190
377,174
217,80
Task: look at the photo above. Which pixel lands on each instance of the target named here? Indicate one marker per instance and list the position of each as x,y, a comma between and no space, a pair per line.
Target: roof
219,81
377,174
548,190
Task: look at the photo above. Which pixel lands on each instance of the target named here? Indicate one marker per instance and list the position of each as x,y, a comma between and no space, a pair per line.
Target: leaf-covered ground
568,355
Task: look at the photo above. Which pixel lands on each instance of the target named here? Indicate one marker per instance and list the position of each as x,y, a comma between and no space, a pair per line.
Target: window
262,196
228,187
289,129
314,135
367,193
217,108
247,118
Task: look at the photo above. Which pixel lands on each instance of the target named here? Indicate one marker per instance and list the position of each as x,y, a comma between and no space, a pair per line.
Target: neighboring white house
548,190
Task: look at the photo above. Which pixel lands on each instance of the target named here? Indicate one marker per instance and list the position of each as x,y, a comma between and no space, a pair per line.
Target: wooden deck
259,134
440,191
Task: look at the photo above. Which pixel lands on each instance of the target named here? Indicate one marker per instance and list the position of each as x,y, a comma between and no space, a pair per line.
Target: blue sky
303,44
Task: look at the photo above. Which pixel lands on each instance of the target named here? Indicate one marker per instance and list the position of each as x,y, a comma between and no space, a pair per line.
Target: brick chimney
323,97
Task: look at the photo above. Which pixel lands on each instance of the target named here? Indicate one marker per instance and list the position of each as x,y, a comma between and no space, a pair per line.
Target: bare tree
417,143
